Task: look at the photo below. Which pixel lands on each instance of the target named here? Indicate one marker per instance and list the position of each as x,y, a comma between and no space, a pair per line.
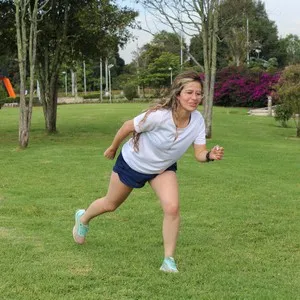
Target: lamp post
109,81
171,75
84,78
101,82
257,50
66,82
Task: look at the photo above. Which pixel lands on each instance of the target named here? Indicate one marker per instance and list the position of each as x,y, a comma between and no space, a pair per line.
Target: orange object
8,86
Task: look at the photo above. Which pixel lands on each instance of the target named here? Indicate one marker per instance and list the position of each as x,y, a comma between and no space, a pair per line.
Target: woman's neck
181,118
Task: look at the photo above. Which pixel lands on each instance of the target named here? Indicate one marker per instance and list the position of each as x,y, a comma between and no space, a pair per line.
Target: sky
285,14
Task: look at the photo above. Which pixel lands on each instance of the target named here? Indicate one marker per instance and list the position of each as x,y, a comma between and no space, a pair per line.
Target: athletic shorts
131,177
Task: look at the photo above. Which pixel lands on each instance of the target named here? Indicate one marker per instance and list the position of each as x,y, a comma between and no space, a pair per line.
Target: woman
161,135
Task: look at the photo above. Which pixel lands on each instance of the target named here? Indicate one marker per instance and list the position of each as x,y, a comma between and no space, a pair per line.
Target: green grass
240,230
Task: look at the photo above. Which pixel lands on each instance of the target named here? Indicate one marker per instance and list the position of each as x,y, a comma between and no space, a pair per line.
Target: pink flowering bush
238,86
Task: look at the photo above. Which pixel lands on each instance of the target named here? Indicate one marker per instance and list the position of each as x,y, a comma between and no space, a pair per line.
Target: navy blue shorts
133,178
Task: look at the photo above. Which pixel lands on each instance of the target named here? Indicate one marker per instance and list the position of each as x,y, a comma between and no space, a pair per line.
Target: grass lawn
240,229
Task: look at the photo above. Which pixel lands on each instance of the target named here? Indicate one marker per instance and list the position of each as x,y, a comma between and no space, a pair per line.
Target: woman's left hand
217,152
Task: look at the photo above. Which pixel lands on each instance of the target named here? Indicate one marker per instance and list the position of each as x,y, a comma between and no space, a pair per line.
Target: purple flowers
237,86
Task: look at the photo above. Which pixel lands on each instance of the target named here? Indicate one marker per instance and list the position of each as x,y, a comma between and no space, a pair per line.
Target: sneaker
79,230
169,265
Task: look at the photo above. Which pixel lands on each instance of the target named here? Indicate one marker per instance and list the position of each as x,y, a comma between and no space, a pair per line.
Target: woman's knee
171,210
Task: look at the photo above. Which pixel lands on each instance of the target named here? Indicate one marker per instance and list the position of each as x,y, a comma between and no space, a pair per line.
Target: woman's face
190,96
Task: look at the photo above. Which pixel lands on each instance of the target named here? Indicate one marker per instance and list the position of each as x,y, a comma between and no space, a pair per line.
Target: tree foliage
233,42
289,92
158,74
292,47
72,30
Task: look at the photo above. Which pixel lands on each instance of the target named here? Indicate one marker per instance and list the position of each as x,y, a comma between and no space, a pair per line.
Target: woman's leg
166,187
116,195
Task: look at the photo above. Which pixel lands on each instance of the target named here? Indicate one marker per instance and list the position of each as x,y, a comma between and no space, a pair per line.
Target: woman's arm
121,135
204,155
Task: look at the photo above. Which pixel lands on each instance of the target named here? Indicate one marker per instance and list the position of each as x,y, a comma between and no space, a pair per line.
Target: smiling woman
161,135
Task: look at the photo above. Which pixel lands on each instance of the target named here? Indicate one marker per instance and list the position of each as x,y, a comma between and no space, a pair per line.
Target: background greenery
239,236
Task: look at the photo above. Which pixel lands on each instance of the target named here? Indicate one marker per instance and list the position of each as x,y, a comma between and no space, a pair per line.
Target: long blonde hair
170,102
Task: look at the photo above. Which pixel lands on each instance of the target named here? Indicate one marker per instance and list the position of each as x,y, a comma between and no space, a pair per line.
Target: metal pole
84,78
106,76
66,83
109,81
138,68
171,75
101,81
109,85
247,30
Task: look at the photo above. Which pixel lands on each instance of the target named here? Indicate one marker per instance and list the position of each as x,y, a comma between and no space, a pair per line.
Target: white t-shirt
158,146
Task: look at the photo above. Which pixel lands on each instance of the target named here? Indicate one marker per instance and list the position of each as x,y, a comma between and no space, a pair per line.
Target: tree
162,41
244,28
292,42
197,17
26,28
160,72
289,92
72,30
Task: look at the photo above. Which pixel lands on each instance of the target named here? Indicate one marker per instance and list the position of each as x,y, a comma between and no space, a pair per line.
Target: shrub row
36,101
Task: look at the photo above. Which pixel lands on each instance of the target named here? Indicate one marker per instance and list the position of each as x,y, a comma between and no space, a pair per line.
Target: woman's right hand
110,152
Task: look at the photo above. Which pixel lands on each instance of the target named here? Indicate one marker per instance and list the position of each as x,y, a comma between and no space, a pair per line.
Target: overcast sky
286,15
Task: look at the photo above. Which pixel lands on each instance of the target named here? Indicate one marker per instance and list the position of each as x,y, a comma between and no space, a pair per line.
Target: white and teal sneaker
79,230
169,265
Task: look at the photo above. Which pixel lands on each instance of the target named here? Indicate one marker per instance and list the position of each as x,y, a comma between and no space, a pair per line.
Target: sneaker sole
80,242
168,271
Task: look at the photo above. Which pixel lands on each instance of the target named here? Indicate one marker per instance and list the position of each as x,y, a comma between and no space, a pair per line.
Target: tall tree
74,29
26,28
244,28
162,42
292,43
196,17
160,72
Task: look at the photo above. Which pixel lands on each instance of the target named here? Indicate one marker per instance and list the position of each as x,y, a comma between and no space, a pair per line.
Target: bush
289,92
7,100
130,91
241,87
36,101
92,96
282,114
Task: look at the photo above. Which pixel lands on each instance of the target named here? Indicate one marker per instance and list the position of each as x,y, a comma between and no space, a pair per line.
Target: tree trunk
209,35
49,101
50,114
49,64
20,16
26,14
